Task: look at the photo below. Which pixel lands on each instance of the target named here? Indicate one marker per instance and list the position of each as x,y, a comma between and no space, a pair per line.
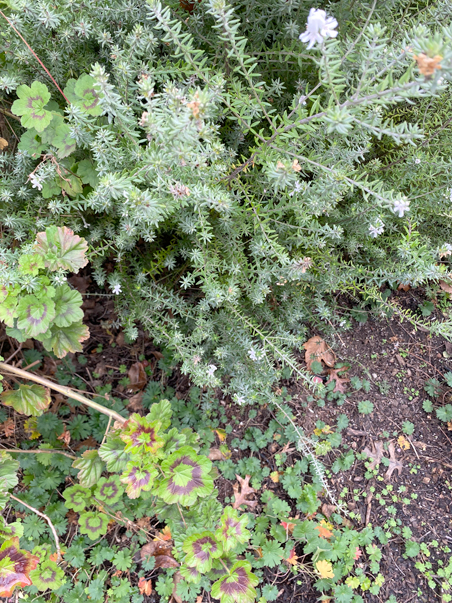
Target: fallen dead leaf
292,558
334,376
317,349
376,454
358,553
394,464
221,433
137,376
274,476
215,454
81,283
100,369
199,599
3,144
445,286
65,437
328,510
403,287
325,569
144,586
161,550
323,529
174,596
427,65
288,526
134,404
403,443
245,490
8,427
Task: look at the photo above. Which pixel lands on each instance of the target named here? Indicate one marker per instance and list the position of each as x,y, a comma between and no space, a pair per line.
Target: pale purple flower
35,181
116,289
401,206
252,354
196,359
318,27
376,229
210,371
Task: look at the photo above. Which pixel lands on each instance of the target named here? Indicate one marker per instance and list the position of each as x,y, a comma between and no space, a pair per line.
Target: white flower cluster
401,206
318,27
376,229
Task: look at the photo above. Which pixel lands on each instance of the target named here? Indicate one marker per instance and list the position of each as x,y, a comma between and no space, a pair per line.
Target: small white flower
401,206
196,359
239,399
318,28
298,187
417,160
212,368
116,289
252,354
376,229
35,181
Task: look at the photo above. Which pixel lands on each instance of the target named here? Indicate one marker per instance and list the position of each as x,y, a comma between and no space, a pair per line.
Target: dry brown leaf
274,476
317,349
403,287
137,376
65,437
427,65
144,586
445,286
174,596
161,550
199,599
8,427
292,558
376,454
280,165
215,454
134,404
100,369
81,283
403,443
394,464
328,510
296,166
334,376
245,490
3,144
449,426
323,530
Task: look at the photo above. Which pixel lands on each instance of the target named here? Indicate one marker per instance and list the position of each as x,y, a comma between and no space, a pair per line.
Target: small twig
39,451
8,114
34,54
51,526
67,391
14,353
106,431
182,517
32,364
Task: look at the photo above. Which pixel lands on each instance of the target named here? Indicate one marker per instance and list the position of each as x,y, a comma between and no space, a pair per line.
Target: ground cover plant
224,171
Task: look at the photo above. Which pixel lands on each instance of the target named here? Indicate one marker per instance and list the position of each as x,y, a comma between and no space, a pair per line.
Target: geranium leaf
187,477
31,143
109,489
27,399
87,95
8,471
162,412
62,340
47,576
34,315
10,530
113,453
87,173
237,586
201,550
15,567
93,524
30,106
138,478
77,497
30,263
232,529
141,435
67,306
8,310
90,468
190,574
61,248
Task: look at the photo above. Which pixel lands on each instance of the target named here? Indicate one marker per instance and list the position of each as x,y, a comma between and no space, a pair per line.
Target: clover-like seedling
201,550
31,106
141,435
232,529
77,498
93,524
15,567
138,478
47,575
237,586
187,477
109,489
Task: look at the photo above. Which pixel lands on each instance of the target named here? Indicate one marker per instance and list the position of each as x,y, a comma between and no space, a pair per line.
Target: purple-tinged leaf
90,468
232,529
35,314
141,435
138,478
27,399
77,497
47,576
201,550
237,586
190,574
67,306
113,453
62,340
61,248
109,489
30,106
15,567
93,524
187,477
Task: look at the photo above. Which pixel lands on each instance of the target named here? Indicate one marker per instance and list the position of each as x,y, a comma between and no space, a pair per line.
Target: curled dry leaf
137,376
65,437
403,443
428,65
377,454
3,144
8,427
445,286
317,349
328,510
135,404
245,490
394,464
403,287
334,376
215,454
144,586
174,596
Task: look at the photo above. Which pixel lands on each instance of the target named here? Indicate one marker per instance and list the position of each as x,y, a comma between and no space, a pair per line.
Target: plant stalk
67,391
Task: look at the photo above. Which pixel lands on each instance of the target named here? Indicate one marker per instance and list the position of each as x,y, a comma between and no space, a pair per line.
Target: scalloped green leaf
68,304
8,471
47,576
232,529
30,142
27,399
31,106
58,135
15,567
141,435
113,453
30,263
237,586
34,314
77,497
187,477
201,550
90,468
87,95
138,478
190,574
61,248
109,489
161,411
93,524
50,188
62,340
87,172
10,530
8,311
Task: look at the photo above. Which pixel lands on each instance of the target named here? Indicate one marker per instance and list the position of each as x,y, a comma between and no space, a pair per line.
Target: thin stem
52,527
40,451
8,114
14,353
67,391
34,54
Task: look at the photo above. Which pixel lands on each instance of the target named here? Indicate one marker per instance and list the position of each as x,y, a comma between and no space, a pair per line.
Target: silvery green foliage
237,178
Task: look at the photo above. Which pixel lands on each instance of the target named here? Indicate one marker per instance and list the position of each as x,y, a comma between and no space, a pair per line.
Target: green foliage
27,399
